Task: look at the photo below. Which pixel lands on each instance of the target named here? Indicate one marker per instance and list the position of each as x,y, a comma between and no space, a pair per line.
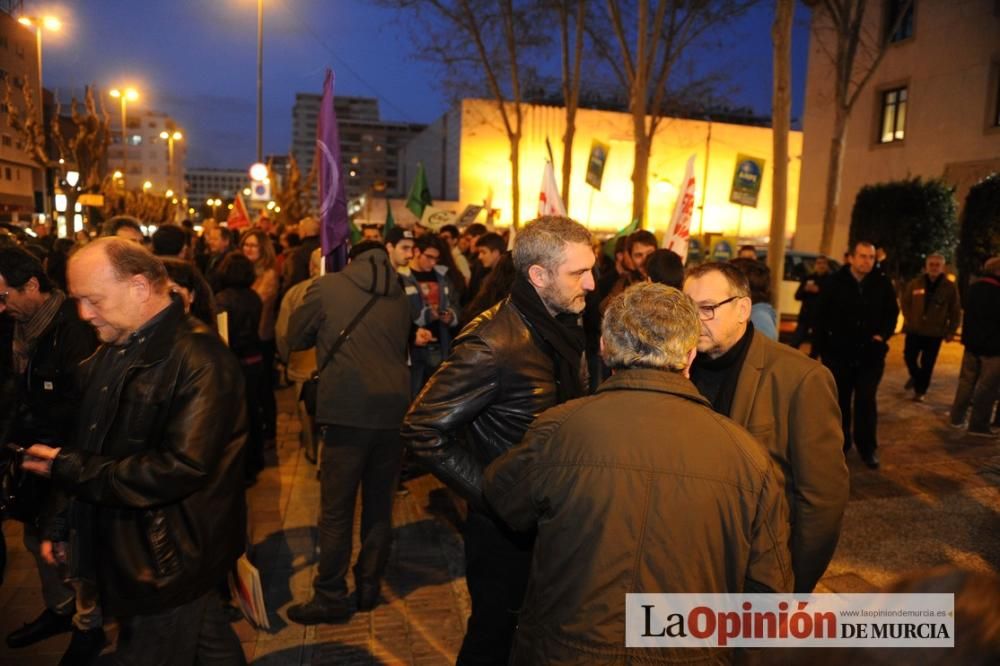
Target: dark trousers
268,403
352,457
497,565
253,377
424,362
920,353
978,389
857,389
195,633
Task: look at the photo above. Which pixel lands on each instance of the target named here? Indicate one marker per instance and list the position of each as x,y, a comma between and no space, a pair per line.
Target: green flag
609,245
420,195
355,234
390,222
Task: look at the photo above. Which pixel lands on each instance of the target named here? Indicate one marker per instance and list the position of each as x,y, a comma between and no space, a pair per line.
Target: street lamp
126,96
260,80
147,186
170,137
53,24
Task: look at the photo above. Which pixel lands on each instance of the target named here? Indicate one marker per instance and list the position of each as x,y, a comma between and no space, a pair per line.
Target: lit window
893,115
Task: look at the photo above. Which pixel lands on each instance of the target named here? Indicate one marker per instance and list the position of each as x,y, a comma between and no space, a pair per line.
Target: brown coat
638,488
937,316
789,402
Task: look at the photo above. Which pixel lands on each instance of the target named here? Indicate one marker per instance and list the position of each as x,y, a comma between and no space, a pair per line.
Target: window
899,13
135,140
6,140
7,174
893,115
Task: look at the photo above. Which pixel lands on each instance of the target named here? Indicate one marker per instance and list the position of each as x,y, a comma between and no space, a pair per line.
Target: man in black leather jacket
158,514
511,363
49,342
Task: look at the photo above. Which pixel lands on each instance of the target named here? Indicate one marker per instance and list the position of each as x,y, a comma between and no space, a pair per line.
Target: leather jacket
158,510
481,400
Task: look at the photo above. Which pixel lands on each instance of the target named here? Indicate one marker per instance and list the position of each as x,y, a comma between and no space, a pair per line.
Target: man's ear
141,288
538,276
744,305
690,360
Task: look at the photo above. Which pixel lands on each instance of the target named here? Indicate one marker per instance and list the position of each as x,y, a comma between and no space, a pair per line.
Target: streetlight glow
117,175
168,194
147,185
258,171
51,23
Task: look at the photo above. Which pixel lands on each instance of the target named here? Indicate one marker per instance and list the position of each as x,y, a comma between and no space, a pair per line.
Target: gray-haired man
511,363
621,508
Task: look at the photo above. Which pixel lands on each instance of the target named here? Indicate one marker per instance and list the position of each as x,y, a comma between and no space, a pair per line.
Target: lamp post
260,80
53,24
126,96
170,137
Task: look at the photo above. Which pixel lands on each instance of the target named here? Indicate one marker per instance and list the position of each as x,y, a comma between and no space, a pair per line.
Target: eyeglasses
707,312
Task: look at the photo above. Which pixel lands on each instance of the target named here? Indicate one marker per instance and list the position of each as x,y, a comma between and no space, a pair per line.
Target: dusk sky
196,60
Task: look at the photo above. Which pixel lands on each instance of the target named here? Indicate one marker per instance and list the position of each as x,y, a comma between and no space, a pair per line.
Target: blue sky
196,60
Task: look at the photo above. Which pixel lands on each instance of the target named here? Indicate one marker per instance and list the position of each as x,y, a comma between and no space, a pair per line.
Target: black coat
981,325
159,511
852,313
481,400
47,395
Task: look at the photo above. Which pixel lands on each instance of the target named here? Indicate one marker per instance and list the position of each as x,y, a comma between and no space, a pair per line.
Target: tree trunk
640,176
515,185
567,157
833,179
781,37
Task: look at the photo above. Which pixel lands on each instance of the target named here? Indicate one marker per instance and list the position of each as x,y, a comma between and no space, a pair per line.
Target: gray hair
128,259
650,325
542,242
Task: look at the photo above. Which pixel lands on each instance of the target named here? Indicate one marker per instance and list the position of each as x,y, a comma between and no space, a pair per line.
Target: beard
561,303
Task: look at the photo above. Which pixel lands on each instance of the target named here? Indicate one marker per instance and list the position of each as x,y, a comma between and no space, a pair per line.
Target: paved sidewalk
935,501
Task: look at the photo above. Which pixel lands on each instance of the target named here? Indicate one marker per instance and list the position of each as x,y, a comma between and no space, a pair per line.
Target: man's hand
38,459
54,554
447,317
423,337
877,338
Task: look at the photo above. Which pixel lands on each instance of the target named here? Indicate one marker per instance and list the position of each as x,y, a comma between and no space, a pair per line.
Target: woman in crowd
243,308
187,282
257,247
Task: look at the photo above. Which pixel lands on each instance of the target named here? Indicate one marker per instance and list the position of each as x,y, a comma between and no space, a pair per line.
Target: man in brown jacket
786,400
931,314
639,488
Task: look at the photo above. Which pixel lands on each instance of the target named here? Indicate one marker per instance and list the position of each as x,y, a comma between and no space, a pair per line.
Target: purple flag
335,228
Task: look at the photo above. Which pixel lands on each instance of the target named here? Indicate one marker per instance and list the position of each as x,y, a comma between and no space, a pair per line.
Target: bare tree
481,40
570,78
781,114
291,194
664,29
855,54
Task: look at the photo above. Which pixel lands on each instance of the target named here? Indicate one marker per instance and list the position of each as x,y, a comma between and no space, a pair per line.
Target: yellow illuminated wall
485,165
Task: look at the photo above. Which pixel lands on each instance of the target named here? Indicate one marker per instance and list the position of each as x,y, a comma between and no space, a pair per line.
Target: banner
549,201
746,180
335,228
595,164
238,218
679,231
419,196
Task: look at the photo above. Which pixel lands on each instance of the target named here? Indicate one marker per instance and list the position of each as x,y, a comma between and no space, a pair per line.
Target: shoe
317,612
46,625
979,433
909,384
872,461
919,397
84,647
956,426
401,490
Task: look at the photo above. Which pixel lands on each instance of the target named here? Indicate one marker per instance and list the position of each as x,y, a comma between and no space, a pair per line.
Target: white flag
549,201
679,231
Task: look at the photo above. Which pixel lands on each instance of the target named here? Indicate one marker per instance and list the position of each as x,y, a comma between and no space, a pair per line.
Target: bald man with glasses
786,400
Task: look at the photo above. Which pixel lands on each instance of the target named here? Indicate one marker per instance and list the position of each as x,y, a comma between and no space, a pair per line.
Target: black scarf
716,378
562,334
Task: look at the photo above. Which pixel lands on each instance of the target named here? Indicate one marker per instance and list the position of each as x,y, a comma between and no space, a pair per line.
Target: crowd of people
615,422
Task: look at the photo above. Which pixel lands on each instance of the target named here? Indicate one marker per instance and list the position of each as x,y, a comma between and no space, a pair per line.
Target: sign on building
260,190
746,180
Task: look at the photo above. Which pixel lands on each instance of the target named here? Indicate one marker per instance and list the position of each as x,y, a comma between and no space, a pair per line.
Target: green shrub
979,238
909,219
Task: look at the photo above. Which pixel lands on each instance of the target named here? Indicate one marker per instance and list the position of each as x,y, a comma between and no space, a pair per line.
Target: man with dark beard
511,363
